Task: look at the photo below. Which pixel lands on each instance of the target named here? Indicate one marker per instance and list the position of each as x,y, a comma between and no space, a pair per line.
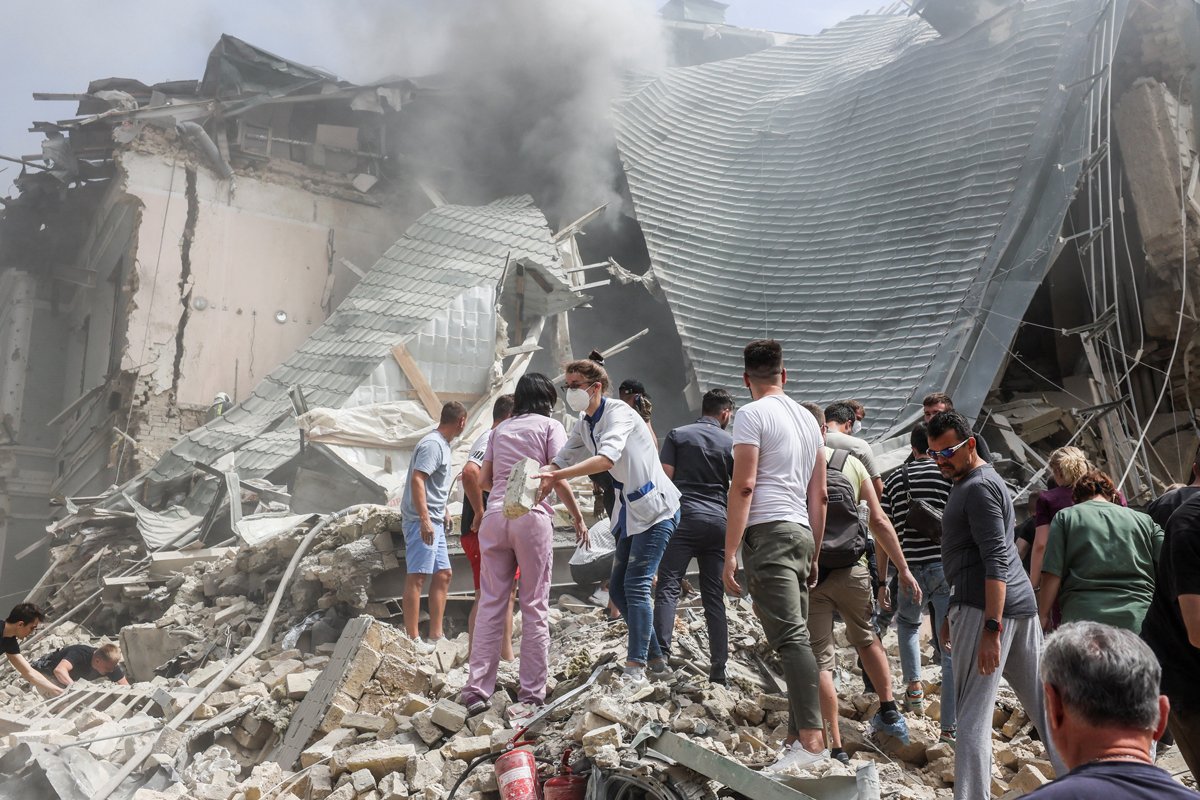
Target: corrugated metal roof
867,196
448,250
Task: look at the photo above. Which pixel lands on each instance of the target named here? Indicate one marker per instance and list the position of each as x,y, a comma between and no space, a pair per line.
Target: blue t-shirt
431,456
1114,780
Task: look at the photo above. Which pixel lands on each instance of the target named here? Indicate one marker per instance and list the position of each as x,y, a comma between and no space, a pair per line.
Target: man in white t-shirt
777,510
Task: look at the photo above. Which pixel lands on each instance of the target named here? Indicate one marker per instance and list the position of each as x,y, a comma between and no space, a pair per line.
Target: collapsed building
910,202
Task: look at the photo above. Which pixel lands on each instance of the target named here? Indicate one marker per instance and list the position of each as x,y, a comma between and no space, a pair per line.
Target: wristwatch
993,626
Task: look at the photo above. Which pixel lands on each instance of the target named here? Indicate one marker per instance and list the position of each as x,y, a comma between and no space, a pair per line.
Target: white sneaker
633,679
599,598
794,756
423,647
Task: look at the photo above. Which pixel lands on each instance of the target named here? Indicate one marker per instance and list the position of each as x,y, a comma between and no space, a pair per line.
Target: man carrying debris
698,458
844,586
920,482
993,621
610,435
777,505
475,500
1105,713
21,622
81,662
425,521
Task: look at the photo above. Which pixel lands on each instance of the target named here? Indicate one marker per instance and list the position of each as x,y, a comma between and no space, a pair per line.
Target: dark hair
856,406
25,612
715,401
934,398
453,412
632,386
841,413
918,438
591,371
944,421
535,394
763,359
502,409
1094,483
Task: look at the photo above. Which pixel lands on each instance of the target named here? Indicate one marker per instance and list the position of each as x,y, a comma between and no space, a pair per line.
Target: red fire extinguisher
516,775
566,785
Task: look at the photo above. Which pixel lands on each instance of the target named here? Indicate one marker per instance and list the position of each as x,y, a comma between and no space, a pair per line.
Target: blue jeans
635,563
932,581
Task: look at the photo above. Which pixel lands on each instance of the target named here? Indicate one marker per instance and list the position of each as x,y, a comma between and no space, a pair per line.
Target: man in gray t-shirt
993,619
425,522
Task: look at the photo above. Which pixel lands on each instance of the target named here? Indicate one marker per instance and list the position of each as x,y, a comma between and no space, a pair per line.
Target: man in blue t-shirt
425,521
1104,713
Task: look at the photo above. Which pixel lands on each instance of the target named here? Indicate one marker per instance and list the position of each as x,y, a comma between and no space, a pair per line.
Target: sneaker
891,723
659,670
599,598
948,737
840,755
475,707
632,679
423,647
794,756
914,702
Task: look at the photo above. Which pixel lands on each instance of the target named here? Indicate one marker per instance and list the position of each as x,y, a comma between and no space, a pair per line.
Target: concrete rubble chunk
468,747
1027,779
449,715
520,493
609,735
324,748
362,780
298,684
380,759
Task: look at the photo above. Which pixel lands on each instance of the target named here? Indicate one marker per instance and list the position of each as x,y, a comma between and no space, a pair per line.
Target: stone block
343,792
939,750
380,759
413,703
610,735
520,493
468,747
425,770
298,684
425,728
1003,754
324,747
399,677
1027,779
280,672
449,715
363,722
361,669
264,777
339,707
362,780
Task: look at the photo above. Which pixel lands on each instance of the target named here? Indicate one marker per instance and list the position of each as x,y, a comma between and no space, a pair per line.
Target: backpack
845,540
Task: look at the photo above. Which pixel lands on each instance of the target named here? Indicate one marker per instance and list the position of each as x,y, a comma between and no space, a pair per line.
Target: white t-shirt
479,448
787,438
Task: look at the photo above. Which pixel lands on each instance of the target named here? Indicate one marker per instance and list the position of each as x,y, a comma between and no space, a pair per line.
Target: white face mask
578,399
856,427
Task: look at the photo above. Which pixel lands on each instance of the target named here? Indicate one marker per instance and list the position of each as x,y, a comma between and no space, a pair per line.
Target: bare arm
1041,535
670,470
472,475
1046,597
123,682
37,679
877,484
885,535
419,498
741,492
62,672
818,499
563,489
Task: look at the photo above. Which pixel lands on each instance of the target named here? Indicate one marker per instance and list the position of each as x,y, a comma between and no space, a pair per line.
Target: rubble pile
342,705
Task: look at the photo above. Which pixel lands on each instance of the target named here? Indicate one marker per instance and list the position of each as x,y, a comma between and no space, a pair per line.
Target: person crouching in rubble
611,436
81,662
21,622
526,542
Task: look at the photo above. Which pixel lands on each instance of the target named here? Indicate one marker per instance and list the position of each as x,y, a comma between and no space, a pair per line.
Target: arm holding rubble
62,672
37,679
741,492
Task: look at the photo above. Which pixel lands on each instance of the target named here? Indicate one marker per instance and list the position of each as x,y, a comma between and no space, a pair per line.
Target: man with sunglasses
992,620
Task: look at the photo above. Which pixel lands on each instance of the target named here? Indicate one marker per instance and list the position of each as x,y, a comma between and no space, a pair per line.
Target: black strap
838,461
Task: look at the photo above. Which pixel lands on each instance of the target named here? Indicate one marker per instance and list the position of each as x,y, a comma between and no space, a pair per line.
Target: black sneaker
840,754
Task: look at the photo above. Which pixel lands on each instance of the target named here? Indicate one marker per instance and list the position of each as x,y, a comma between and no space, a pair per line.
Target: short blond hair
1069,463
110,653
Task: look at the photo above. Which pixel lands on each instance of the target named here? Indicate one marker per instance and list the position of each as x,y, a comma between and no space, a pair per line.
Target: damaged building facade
994,199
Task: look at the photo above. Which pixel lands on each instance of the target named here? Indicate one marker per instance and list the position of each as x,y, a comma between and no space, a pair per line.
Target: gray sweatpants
975,694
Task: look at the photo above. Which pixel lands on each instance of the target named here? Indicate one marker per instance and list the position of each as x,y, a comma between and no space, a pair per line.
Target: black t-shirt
1163,628
1114,780
1026,532
9,645
80,656
1161,508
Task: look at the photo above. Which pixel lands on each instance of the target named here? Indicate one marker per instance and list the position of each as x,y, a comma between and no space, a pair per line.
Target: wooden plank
411,370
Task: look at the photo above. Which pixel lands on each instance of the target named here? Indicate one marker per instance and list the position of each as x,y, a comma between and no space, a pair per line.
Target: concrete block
339,706
398,676
449,715
608,735
425,770
298,684
413,703
424,727
362,780
1002,753
468,747
279,673
226,614
364,722
324,747
1027,779
380,759
166,562
361,669
343,792
520,493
